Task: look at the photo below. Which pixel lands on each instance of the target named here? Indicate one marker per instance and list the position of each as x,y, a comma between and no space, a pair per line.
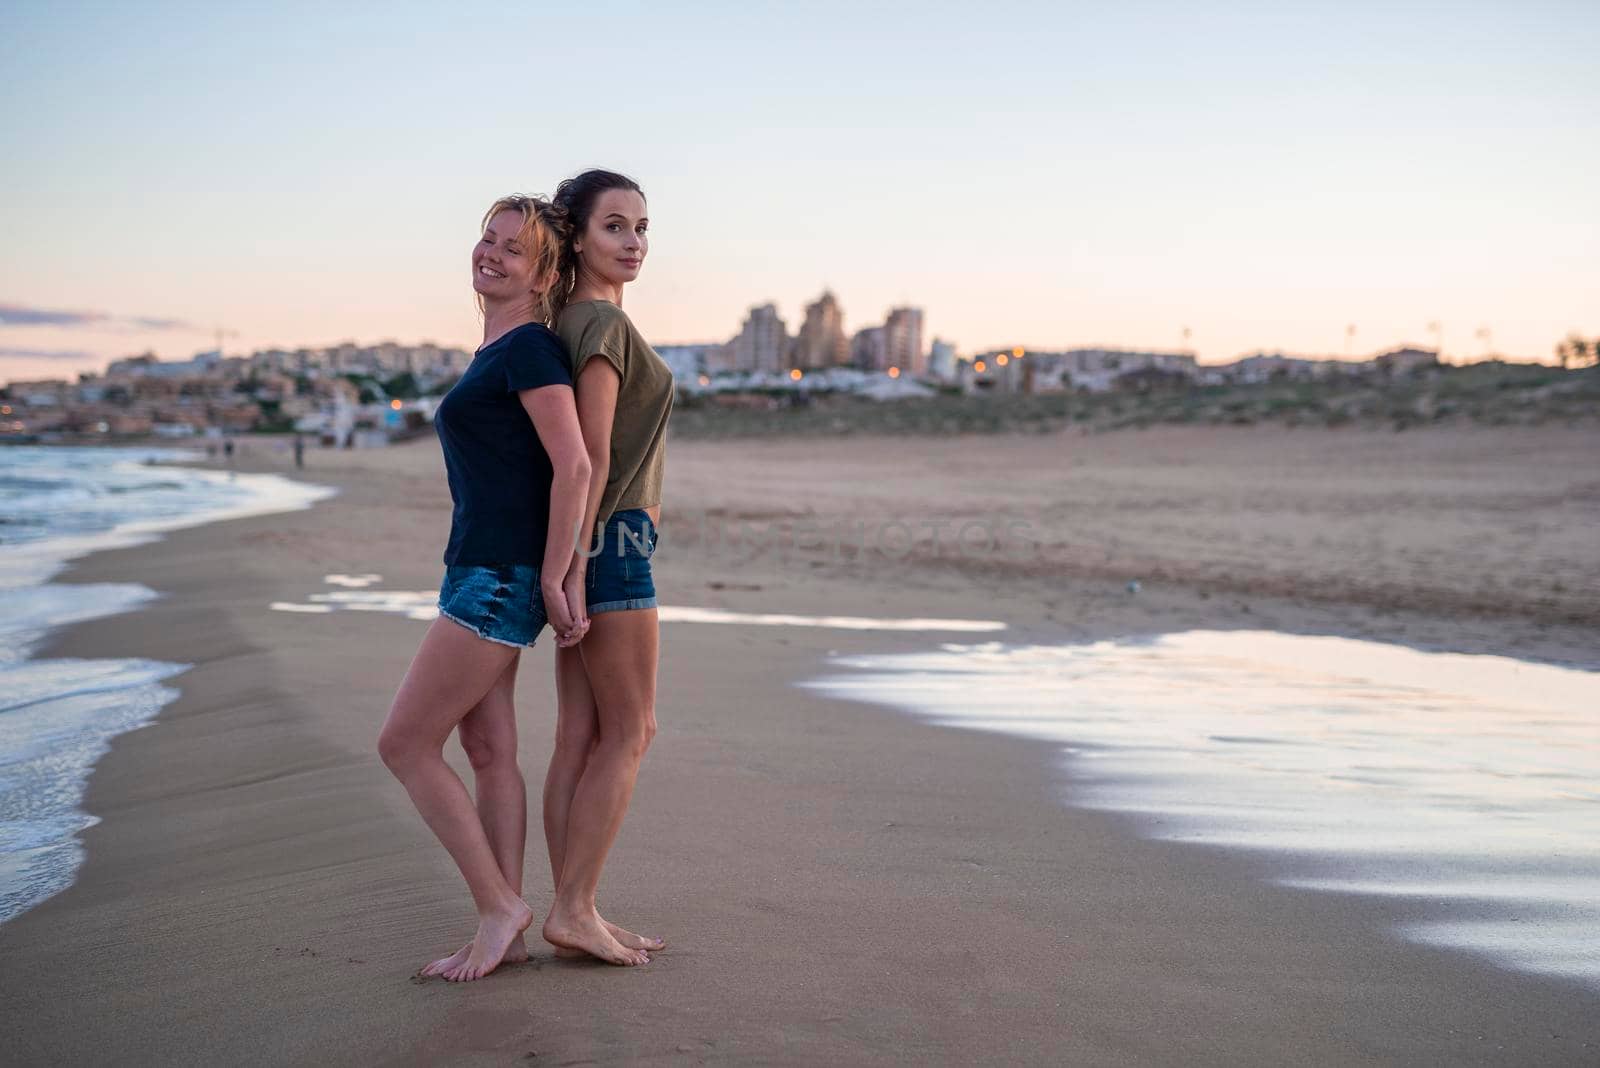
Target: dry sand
839,884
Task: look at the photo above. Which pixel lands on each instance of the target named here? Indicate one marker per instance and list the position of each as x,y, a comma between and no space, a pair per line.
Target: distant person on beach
606,686
518,469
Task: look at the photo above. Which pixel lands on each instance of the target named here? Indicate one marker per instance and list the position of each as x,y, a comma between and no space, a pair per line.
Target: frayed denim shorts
618,577
500,602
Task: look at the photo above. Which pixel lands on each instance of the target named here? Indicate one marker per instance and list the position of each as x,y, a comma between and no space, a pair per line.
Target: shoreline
61,713
256,866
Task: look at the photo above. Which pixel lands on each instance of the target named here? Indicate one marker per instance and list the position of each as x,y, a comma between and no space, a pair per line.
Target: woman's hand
569,631
573,587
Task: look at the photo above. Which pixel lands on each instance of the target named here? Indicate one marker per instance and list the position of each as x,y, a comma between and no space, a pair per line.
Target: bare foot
516,954
625,938
496,933
587,933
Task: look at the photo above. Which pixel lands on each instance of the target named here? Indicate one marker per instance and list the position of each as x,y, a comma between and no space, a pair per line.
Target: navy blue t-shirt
499,472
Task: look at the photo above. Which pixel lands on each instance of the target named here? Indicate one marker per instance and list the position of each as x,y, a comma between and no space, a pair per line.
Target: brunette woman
606,686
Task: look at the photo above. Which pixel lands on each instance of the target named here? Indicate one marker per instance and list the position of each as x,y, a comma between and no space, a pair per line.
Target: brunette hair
544,234
574,200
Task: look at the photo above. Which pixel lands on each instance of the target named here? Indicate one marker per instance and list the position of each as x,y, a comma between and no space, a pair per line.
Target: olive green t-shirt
644,400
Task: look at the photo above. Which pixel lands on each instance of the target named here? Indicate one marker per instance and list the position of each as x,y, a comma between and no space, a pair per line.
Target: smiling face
613,244
502,264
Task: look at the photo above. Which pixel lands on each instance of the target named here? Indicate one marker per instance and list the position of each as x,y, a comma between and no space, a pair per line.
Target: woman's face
502,268
614,242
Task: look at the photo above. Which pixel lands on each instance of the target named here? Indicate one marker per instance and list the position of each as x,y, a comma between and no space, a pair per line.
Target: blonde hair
543,233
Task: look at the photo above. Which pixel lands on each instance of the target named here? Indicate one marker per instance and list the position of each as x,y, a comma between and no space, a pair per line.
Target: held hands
569,615
573,587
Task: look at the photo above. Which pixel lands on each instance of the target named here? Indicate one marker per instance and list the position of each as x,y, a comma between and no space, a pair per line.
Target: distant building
942,360
132,365
867,349
1096,370
689,362
980,375
148,365
821,342
902,341
762,343
719,358
1267,366
40,393
1093,370
1405,360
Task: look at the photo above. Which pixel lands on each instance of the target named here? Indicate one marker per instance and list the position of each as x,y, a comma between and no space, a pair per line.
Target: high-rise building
942,359
866,349
821,342
762,343
902,340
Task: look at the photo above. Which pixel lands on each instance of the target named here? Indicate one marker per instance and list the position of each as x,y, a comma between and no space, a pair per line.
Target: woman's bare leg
488,735
619,658
450,674
577,730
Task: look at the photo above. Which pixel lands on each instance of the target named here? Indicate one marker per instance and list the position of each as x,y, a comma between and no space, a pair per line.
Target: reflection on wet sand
423,605
1471,781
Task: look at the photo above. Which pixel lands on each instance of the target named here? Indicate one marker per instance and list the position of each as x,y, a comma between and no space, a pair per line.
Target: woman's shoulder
587,313
535,339
592,326
530,333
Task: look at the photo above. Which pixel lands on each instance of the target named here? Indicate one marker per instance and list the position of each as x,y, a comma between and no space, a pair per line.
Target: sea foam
59,716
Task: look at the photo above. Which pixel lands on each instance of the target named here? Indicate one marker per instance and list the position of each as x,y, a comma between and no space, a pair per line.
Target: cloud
23,315
18,315
46,354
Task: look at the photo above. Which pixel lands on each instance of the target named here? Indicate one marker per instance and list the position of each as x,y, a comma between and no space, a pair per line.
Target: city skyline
1048,176
777,353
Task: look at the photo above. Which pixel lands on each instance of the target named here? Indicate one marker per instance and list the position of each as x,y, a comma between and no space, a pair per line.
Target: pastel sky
1046,174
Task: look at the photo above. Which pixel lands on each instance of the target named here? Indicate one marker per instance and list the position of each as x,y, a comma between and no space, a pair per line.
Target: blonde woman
519,477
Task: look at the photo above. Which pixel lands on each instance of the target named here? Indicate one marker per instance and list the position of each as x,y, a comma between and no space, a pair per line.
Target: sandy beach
838,883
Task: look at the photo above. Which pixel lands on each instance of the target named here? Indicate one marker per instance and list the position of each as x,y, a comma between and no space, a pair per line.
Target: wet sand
839,883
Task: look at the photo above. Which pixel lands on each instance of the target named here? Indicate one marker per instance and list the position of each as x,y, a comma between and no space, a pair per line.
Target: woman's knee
632,737
574,746
400,748
487,749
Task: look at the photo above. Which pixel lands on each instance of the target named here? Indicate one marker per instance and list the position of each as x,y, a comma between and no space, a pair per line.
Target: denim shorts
500,602
618,577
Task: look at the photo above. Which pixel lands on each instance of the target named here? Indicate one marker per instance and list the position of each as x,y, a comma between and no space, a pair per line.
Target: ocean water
58,716
1469,785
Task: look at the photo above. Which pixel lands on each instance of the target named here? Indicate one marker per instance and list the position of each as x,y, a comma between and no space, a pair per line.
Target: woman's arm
555,419
597,387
